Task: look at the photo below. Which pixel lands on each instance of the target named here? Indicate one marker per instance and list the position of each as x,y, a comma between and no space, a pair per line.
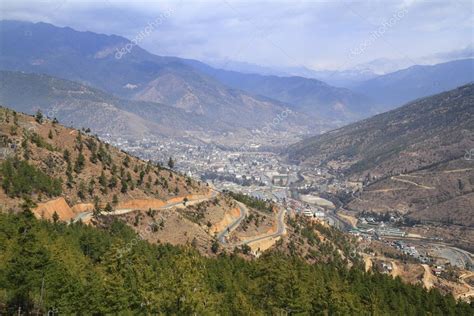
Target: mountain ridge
308,95
83,106
65,53
407,118
399,87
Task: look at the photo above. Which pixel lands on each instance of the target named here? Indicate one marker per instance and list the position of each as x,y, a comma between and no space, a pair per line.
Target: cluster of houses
411,251
307,210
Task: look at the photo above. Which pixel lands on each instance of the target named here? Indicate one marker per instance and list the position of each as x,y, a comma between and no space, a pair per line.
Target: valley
185,173
251,164
320,194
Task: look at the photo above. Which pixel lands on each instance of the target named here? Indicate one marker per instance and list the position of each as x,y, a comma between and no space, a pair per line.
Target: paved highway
84,215
338,222
221,237
456,256
280,230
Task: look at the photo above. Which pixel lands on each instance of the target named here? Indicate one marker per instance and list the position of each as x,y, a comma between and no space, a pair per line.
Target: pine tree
91,187
116,297
67,155
39,117
113,181
124,188
26,267
55,217
126,161
108,208
81,190
103,180
80,163
70,178
215,246
171,163
115,200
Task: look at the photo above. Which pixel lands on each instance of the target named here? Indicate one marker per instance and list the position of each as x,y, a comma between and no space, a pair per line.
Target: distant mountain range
349,77
80,106
383,66
369,95
338,78
310,96
92,59
230,100
399,87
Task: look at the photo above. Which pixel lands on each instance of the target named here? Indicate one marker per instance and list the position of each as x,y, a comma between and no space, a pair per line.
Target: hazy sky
315,34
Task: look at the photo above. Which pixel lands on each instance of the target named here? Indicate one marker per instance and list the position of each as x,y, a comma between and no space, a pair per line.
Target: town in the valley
257,170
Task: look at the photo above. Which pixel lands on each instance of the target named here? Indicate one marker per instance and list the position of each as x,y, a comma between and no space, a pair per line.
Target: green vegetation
41,142
20,178
80,163
39,117
251,201
195,213
76,269
171,163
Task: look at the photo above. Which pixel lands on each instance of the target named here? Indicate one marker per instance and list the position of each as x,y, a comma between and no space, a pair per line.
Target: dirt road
412,183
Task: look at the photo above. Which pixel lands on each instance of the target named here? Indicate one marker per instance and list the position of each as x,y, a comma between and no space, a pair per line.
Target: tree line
85,270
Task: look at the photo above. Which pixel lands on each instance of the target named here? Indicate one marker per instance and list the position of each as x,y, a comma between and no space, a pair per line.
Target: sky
313,34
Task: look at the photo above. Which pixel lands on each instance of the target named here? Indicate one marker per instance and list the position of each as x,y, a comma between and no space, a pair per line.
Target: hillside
78,105
411,160
81,270
62,174
76,168
415,82
92,59
194,92
419,134
310,96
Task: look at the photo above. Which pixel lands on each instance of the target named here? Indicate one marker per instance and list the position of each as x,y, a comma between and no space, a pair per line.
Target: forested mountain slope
77,269
67,175
42,160
415,160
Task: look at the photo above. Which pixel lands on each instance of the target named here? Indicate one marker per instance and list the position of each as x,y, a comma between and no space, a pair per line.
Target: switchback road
221,237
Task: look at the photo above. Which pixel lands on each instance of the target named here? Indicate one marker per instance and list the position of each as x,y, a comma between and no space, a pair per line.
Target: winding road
87,215
281,230
221,237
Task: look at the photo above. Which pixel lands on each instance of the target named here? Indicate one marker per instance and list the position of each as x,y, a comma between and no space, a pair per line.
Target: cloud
315,34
